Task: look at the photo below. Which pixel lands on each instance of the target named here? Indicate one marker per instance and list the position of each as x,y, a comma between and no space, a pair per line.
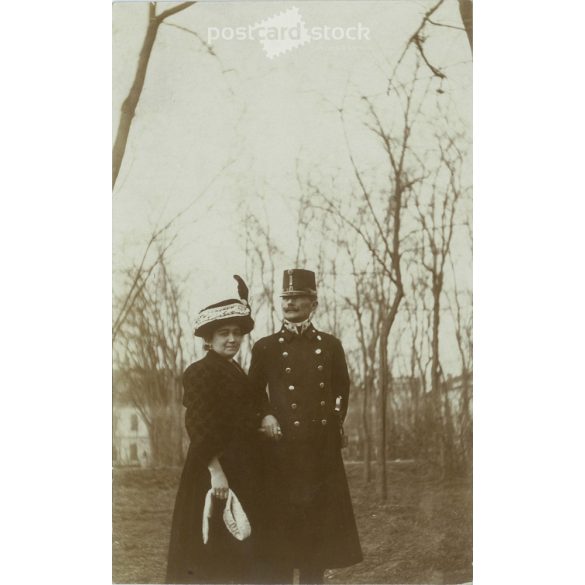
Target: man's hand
271,428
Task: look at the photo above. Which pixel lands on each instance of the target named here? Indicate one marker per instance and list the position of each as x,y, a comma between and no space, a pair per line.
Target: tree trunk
451,455
466,430
366,433
129,106
437,434
166,437
466,11
383,389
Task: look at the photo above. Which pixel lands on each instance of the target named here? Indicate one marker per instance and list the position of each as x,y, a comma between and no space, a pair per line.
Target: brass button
320,367
319,337
297,423
322,403
285,354
318,351
293,405
324,422
281,340
291,387
321,384
287,370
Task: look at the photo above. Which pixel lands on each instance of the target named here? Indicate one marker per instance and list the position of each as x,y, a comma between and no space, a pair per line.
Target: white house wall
125,437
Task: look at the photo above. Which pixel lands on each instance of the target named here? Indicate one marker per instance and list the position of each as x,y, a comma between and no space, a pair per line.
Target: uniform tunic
309,517
222,420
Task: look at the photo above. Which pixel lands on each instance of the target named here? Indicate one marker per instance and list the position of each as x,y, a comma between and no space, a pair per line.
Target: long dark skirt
223,559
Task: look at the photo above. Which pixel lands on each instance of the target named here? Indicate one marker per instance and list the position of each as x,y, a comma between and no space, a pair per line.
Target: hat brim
246,324
299,293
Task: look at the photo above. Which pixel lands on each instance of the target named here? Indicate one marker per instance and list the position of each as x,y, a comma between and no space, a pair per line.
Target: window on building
134,422
133,452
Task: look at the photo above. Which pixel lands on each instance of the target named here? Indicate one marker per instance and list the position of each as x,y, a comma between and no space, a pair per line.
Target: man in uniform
309,522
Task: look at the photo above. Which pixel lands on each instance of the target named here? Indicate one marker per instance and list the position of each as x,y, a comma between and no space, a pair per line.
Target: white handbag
234,517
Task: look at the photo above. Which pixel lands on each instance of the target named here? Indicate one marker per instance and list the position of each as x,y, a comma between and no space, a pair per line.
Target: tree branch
174,10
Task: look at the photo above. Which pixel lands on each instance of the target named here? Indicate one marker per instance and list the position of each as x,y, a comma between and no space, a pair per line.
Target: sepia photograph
292,292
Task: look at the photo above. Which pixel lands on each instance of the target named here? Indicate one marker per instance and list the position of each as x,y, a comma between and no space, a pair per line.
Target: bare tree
462,317
377,221
466,11
155,251
436,205
419,37
261,256
128,109
367,314
419,363
137,277
149,354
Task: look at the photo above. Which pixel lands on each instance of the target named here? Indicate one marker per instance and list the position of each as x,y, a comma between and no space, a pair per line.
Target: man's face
298,309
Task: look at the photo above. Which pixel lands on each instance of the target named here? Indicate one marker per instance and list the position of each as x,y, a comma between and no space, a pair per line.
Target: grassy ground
421,534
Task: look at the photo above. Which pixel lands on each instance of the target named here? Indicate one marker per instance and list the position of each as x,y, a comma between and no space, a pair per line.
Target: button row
289,370
321,385
318,351
294,405
281,339
297,423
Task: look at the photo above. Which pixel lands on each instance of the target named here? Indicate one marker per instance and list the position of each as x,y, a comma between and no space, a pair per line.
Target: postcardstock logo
282,32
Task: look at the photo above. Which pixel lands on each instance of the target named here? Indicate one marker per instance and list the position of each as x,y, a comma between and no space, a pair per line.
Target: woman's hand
219,484
271,428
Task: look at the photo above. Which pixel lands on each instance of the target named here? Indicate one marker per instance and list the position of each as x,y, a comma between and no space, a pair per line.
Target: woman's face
226,340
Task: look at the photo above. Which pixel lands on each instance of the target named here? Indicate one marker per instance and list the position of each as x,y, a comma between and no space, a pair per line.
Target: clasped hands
270,428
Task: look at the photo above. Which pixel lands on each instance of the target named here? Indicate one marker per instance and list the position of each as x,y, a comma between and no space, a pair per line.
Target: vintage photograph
292,376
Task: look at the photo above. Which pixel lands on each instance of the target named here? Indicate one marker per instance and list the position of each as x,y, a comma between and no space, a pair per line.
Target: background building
130,441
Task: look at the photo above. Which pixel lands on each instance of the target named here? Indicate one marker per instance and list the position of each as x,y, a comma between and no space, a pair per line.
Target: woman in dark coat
222,421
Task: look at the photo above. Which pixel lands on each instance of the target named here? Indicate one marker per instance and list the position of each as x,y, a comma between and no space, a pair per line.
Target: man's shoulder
328,337
265,342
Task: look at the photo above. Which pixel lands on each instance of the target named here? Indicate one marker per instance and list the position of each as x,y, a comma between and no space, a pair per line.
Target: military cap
297,282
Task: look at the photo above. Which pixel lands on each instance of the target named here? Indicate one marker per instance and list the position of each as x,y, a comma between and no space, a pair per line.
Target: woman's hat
298,282
231,310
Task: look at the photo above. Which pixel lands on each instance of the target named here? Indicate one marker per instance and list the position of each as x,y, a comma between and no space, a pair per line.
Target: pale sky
239,124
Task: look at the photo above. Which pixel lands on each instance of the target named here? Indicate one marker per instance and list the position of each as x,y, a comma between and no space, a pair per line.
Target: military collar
294,327
310,333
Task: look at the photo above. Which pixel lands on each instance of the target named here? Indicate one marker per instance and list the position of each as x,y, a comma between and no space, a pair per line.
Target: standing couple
266,448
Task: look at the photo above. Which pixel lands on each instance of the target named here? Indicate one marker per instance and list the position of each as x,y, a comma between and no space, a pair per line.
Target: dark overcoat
222,419
309,512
